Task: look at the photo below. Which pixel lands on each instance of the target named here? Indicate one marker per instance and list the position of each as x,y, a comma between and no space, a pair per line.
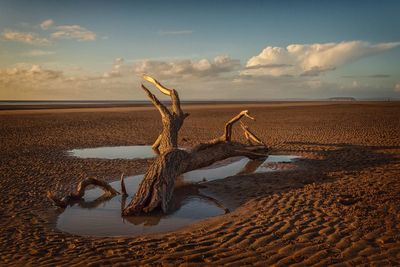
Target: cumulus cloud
268,66
24,37
27,75
116,70
315,71
188,68
30,81
310,59
46,24
75,32
216,78
31,71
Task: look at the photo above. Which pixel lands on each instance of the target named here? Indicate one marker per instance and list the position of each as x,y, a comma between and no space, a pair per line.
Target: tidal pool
114,152
97,215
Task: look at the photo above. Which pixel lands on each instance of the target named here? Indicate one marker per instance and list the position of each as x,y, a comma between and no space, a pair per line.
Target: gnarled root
80,192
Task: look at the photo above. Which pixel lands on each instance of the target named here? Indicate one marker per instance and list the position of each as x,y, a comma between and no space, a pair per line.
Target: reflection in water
184,196
240,165
251,166
94,203
100,215
106,220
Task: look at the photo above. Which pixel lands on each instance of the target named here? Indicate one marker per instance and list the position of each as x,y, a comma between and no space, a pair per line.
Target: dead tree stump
155,190
157,187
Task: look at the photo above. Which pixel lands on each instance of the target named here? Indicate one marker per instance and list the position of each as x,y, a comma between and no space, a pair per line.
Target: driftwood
80,192
157,187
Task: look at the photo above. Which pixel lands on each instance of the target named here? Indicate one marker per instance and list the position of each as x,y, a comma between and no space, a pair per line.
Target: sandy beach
340,205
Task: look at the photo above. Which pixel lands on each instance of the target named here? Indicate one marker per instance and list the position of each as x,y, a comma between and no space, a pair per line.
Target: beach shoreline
340,205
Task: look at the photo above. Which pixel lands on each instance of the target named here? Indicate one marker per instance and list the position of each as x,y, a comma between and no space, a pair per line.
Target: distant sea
43,104
70,102
117,102
12,105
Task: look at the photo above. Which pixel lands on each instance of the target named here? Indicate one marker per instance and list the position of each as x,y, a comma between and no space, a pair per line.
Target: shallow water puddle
114,152
234,166
100,216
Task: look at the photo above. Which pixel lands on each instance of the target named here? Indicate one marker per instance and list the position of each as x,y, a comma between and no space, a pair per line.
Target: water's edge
100,216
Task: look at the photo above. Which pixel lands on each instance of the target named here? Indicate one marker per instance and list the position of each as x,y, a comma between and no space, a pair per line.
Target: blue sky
205,49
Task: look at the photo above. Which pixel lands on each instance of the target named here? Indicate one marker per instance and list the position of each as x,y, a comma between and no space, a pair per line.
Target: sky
207,50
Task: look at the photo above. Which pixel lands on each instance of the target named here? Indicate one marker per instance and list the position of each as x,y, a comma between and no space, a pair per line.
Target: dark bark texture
156,189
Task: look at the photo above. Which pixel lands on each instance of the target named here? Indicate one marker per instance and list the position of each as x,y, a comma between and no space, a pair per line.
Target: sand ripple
339,207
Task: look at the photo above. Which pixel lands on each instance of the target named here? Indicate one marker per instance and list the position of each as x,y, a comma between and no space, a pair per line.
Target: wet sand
340,204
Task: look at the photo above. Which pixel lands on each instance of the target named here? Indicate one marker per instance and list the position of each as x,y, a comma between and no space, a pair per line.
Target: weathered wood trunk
157,187
158,184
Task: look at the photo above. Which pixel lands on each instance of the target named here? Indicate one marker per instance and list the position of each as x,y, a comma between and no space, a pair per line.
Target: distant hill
342,98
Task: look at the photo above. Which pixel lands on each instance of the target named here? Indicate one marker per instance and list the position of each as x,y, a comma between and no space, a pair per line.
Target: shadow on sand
326,158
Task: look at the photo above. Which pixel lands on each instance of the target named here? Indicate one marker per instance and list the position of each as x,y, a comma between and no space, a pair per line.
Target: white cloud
24,37
188,68
30,81
38,53
182,32
216,78
76,32
116,70
397,87
46,24
310,59
27,74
